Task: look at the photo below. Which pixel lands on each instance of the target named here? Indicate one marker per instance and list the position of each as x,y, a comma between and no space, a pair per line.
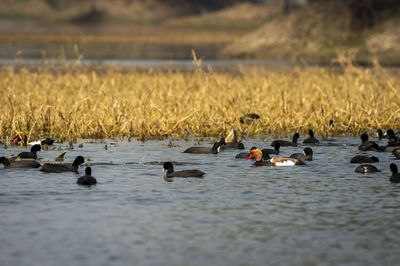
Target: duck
244,155
276,161
28,163
396,153
203,150
311,139
87,179
367,145
393,139
276,149
380,134
232,145
395,178
287,143
30,155
168,166
63,167
22,138
306,156
248,118
364,159
366,168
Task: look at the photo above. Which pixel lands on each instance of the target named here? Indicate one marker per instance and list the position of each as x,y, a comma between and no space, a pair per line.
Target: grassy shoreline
153,103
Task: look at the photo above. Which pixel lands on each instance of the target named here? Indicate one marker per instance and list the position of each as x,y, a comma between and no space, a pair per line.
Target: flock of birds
261,157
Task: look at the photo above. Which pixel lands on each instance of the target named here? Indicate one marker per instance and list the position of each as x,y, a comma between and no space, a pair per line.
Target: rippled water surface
321,213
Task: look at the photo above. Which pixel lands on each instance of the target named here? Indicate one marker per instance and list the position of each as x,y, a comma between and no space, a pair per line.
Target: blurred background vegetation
288,30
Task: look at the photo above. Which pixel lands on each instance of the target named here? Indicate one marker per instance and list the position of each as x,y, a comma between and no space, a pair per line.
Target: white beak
163,170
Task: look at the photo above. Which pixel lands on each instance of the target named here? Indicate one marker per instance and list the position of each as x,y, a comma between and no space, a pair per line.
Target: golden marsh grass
145,103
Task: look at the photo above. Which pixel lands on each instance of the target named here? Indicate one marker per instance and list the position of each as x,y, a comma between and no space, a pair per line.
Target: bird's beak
250,156
163,170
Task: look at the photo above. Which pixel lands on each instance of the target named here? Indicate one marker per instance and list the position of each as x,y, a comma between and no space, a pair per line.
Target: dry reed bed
119,103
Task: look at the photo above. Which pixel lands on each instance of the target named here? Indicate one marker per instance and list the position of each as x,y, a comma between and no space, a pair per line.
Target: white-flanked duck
307,155
286,143
25,163
168,166
22,138
276,161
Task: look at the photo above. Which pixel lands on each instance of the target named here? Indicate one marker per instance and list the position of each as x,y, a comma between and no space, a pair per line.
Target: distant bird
276,149
87,179
306,156
366,168
393,139
232,145
395,178
276,161
25,163
184,173
367,145
32,154
248,118
22,138
244,155
204,150
63,167
311,139
396,153
287,143
364,159
380,134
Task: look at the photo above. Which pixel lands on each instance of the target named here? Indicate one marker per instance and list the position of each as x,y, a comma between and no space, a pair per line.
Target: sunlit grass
120,103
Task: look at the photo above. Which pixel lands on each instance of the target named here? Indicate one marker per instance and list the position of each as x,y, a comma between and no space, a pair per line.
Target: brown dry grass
152,103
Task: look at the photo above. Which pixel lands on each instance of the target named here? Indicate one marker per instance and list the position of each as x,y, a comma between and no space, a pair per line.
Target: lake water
322,213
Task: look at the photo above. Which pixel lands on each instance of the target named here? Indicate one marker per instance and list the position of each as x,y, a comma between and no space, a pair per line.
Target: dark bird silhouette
87,179
184,173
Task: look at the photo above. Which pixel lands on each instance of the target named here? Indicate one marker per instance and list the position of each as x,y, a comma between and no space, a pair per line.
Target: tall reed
145,103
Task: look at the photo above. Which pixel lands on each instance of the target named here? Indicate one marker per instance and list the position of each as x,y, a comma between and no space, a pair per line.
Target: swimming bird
277,146
87,179
244,155
311,139
184,173
364,159
367,145
276,161
396,153
32,154
22,138
306,156
380,134
287,143
393,139
366,168
232,145
63,167
202,150
26,163
395,178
